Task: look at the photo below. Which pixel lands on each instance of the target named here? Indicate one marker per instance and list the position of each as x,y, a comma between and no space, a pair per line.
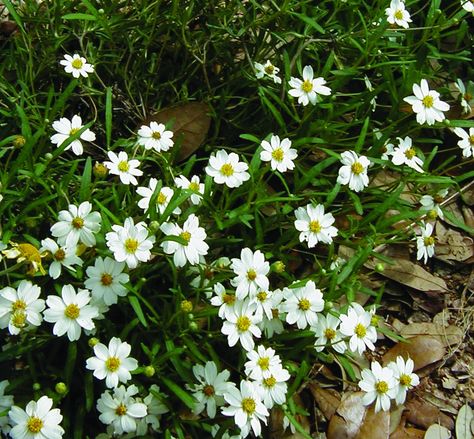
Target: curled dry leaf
424,414
437,432
463,422
407,433
448,336
412,275
422,349
327,401
452,245
375,425
346,422
191,123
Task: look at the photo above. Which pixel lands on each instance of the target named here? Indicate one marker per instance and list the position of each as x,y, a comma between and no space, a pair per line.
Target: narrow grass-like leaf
179,392
108,116
85,190
138,310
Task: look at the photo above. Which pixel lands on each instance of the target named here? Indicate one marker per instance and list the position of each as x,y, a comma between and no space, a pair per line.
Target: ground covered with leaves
236,219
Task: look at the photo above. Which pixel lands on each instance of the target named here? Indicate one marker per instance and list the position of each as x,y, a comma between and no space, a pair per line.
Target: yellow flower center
357,168
123,166
278,154
156,135
270,381
307,86
131,245
121,410
77,63
186,236
34,424
60,255
410,153
330,333
72,311
248,405
262,296
77,223
428,101
228,299
18,318
263,363
405,380
18,305
161,198
269,69
73,131
429,240
112,364
304,304
106,279
360,330
208,390
471,139
194,186
251,274
398,14
243,323
227,170
315,226
381,387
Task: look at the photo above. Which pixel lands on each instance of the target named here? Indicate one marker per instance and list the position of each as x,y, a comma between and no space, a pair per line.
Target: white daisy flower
247,408
379,385
274,324
425,243
405,154
20,308
162,199
468,5
113,363
126,169
6,402
328,334
397,14
106,279
303,305
278,153
120,409
264,302
307,90
193,185
130,243
354,171
155,408
467,141
426,104
465,95
37,421
223,300
211,388
155,136
263,362
315,226
251,273
65,128
357,325
77,65
241,325
78,224
194,237
62,256
273,388
71,312
387,150
404,377
431,205
267,69
227,169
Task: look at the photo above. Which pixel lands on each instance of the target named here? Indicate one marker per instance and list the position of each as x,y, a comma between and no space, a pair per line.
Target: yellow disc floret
227,170
243,323
34,424
131,245
307,86
248,405
278,154
112,364
304,304
357,168
72,311
360,330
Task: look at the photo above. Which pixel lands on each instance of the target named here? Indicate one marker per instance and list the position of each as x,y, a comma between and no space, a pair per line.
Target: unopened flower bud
36,386
278,267
19,141
60,388
93,341
100,170
432,214
154,226
380,267
149,371
186,306
48,156
193,327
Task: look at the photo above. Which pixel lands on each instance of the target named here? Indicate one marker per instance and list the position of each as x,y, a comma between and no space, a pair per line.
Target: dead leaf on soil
452,245
276,422
375,425
422,349
348,418
424,414
448,336
437,432
385,179
191,123
412,275
327,401
407,433
463,422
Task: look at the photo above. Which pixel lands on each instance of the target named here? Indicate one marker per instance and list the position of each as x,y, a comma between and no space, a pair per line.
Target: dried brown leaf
191,123
375,425
422,349
451,335
326,401
346,422
437,432
424,414
452,245
407,433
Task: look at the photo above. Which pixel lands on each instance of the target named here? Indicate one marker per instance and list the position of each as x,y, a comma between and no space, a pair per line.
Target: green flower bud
100,170
93,341
36,386
193,327
154,226
278,267
380,267
186,306
19,141
149,371
61,388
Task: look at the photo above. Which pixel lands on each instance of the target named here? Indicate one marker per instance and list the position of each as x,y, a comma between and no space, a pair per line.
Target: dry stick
445,202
